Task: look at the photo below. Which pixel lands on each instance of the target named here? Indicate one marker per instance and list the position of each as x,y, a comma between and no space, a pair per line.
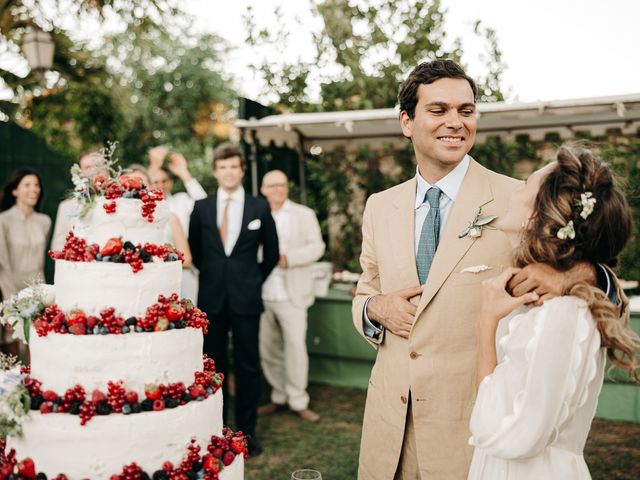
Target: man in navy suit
225,232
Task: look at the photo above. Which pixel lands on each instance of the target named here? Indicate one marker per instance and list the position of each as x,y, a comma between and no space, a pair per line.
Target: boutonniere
474,230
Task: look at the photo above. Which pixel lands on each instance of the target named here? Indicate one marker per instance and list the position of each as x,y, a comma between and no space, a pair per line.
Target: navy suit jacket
238,277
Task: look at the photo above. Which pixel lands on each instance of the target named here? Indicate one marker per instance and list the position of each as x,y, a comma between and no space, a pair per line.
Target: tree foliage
363,52
173,92
72,105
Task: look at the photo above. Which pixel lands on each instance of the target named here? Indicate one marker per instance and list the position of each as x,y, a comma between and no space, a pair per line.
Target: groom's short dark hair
425,73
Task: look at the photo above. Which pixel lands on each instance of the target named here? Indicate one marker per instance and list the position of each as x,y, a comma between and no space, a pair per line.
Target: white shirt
275,288
234,216
449,185
181,203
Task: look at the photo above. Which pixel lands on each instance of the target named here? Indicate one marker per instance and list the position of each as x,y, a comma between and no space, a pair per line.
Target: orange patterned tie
224,226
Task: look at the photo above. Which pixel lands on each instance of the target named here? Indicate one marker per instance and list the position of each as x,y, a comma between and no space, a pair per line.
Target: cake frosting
138,359
93,286
98,435
127,222
58,443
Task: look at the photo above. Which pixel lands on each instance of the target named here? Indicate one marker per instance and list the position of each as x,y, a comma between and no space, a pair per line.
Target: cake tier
62,361
93,286
127,222
57,443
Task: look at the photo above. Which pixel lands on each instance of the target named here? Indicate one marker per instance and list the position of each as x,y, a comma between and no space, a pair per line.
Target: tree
368,48
71,106
172,91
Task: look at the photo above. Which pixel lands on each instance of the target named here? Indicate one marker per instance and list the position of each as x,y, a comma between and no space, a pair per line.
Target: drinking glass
306,474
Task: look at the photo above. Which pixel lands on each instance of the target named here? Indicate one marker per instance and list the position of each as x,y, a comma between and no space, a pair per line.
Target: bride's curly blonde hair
599,239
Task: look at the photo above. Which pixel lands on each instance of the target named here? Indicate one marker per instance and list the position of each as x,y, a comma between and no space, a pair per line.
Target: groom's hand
394,311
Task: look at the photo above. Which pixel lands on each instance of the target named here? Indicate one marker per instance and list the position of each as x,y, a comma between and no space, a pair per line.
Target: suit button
413,355
403,399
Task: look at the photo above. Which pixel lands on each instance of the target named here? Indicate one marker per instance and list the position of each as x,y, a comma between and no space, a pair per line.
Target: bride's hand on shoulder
497,303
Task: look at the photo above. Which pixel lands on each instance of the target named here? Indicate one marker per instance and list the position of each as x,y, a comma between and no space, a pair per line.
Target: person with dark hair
539,388
427,246
226,231
23,232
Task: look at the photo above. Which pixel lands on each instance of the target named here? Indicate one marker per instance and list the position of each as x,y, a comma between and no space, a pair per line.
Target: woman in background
23,234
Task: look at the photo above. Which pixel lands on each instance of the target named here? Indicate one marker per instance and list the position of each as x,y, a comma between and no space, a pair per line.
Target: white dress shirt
275,288
449,185
181,203
234,216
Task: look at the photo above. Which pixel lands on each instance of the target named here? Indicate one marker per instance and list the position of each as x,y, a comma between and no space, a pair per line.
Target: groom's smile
443,127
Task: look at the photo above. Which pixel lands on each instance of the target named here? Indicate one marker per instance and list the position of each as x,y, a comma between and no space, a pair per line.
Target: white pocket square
476,269
254,224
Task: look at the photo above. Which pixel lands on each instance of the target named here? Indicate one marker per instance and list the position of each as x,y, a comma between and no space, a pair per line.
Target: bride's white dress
533,413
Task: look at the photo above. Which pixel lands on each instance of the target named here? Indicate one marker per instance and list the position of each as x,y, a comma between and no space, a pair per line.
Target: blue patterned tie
429,235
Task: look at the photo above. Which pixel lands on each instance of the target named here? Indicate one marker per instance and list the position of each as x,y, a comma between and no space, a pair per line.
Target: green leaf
485,220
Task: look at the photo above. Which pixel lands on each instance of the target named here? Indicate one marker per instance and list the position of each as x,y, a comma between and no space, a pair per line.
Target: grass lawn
331,445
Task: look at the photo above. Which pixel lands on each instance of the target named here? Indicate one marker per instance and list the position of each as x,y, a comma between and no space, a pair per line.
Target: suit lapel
475,192
247,216
213,218
403,220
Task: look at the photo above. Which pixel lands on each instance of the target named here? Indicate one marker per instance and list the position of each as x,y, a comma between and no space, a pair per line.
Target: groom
420,288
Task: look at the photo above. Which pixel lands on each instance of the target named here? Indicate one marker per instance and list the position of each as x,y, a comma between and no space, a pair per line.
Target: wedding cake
118,387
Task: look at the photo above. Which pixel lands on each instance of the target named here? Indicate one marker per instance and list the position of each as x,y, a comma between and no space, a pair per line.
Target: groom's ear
406,123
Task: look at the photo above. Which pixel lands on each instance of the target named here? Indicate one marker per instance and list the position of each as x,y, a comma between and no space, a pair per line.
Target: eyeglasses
276,185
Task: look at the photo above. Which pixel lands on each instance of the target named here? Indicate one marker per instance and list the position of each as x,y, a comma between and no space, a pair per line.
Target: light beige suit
283,325
437,364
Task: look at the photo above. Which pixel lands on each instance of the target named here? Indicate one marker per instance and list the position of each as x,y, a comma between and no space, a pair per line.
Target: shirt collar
449,185
235,196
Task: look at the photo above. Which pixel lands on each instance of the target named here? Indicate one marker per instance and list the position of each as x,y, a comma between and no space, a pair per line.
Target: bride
540,369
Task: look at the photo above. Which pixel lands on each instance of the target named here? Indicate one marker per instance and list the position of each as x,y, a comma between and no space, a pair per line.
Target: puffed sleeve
535,386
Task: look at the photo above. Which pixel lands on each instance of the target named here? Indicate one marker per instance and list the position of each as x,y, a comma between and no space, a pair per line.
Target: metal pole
254,163
301,158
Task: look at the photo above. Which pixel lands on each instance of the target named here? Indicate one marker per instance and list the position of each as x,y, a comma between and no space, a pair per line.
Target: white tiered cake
117,374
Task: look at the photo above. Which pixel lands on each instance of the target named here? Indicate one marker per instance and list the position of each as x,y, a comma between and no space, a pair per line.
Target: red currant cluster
109,207
112,191
192,456
33,386
50,320
166,252
209,364
109,319
73,395
133,258
175,390
76,250
149,199
87,412
129,472
116,395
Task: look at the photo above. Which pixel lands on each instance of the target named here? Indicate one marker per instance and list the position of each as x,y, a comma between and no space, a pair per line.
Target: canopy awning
502,119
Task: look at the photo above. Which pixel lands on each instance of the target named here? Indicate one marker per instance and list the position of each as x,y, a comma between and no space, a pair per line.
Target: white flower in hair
567,231
587,201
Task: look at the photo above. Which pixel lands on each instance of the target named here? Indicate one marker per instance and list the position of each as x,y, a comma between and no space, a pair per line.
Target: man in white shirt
225,232
69,208
287,294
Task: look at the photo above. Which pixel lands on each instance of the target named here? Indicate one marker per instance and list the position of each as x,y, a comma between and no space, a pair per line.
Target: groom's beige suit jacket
437,364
